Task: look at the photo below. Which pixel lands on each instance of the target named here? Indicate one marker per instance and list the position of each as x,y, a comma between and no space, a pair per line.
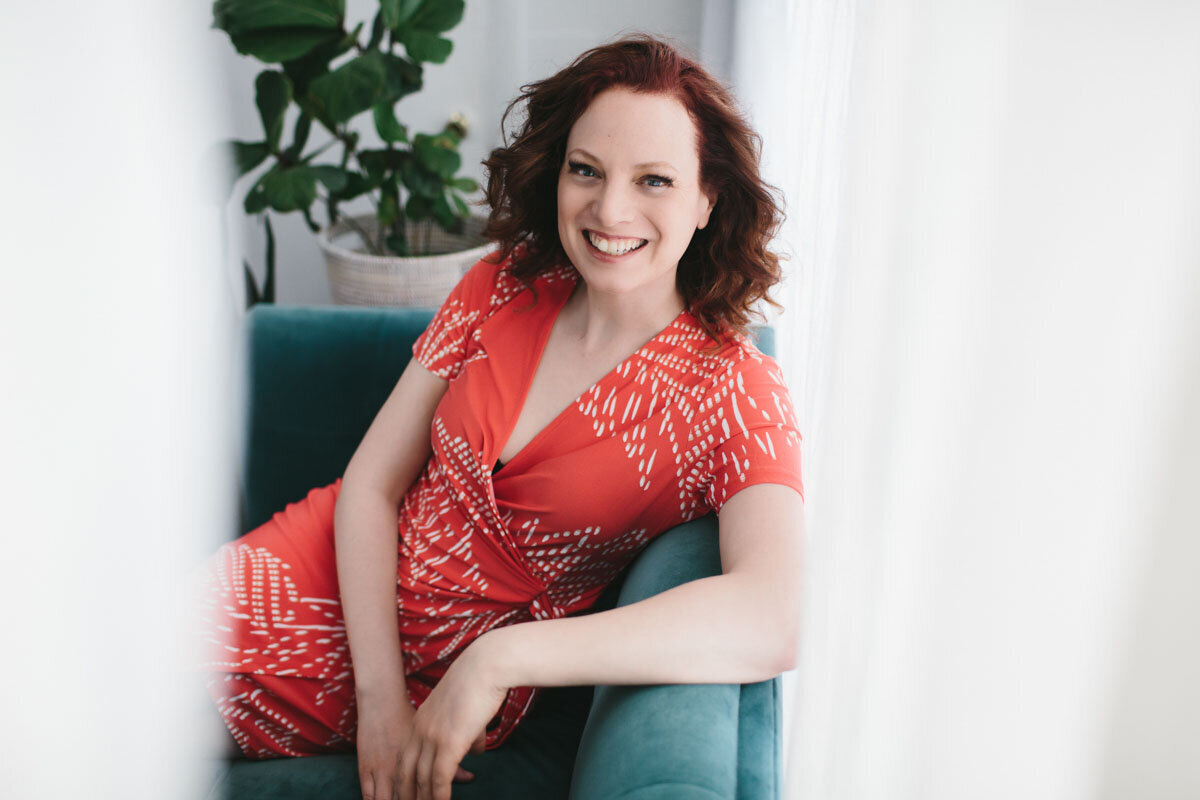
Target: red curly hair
727,267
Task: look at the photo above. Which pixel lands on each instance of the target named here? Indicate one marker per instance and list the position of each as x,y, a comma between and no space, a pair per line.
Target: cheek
680,225
568,201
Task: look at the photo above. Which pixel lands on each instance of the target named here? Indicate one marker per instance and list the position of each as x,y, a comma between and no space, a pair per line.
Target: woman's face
629,196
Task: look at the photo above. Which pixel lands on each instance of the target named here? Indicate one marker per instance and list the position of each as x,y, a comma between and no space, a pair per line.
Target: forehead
623,127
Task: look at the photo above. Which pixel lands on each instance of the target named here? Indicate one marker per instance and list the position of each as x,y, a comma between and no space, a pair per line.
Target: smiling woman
577,395
613,209
630,136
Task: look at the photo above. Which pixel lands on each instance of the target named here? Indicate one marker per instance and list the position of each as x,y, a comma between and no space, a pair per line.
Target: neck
605,320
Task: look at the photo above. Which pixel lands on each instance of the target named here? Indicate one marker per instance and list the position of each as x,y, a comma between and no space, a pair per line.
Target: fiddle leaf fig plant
333,74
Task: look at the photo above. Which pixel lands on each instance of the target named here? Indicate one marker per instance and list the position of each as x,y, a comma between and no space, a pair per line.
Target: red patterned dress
668,435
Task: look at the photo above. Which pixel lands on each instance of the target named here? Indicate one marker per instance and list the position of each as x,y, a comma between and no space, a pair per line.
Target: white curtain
993,334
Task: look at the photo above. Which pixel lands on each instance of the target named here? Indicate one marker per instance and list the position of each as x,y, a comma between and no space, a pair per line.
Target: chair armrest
676,741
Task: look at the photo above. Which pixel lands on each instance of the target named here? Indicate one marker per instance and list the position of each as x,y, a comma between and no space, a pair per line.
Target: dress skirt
287,560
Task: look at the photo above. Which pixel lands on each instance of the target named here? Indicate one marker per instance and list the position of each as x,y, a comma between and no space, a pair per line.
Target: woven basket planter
361,279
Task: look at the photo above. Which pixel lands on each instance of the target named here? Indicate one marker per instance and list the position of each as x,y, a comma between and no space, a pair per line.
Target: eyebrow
586,154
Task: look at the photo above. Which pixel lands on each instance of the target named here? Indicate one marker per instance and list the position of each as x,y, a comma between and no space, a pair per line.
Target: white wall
499,45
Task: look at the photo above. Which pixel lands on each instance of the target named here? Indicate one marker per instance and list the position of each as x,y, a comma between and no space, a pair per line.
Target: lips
617,246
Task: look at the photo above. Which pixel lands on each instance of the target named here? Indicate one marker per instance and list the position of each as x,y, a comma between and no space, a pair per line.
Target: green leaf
437,154
378,27
240,16
419,180
406,9
357,184
247,155
403,77
386,124
256,198
303,70
378,162
424,46
460,205
281,44
438,16
464,184
442,212
334,178
272,94
291,189
283,190
299,136
418,207
389,15
351,88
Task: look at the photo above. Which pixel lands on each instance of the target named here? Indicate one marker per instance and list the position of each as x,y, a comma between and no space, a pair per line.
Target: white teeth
614,247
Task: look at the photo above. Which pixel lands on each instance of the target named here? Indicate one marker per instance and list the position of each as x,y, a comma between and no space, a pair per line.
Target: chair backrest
317,378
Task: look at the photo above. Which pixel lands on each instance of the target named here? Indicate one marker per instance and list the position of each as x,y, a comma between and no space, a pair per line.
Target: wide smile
615,249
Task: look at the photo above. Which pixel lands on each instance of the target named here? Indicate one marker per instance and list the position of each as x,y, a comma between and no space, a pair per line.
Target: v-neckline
537,362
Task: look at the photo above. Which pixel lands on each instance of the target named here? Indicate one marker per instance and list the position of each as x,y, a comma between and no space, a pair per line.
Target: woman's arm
390,457
737,627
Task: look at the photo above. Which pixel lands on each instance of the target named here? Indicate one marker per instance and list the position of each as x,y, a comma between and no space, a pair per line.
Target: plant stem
362,234
358,229
318,151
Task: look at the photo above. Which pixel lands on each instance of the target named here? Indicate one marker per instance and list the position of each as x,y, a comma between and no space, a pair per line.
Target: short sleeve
443,346
756,436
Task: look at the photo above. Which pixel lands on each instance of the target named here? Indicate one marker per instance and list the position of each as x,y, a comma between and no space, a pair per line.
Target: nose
613,205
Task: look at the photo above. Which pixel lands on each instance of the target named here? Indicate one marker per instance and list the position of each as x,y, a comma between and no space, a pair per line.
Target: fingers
406,770
424,768
375,787
423,775
432,775
443,768
461,775
383,783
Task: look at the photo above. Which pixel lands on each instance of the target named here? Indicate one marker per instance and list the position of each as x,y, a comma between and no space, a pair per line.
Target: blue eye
578,167
663,182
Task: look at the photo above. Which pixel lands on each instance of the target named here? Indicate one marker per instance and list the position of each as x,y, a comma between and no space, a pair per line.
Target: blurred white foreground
117,338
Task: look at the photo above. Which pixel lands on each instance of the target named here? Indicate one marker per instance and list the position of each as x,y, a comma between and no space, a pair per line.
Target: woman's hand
450,723
383,730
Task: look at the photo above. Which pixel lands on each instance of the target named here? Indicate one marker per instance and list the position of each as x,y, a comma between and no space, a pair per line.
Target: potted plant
333,75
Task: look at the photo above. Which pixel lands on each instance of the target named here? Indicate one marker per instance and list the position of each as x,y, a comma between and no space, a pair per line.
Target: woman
577,395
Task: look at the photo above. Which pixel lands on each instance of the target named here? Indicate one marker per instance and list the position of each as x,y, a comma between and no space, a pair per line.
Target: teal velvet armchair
317,377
